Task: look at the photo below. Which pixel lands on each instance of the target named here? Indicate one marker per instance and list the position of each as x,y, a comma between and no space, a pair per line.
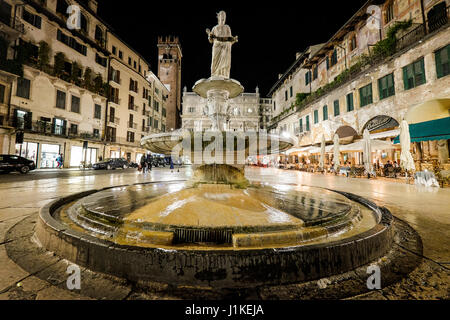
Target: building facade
361,79
244,112
81,92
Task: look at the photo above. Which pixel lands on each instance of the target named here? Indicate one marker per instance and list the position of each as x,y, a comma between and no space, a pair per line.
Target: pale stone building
354,89
244,112
81,92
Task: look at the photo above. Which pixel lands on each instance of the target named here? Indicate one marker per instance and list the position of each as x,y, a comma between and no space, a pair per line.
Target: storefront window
27,150
78,155
49,153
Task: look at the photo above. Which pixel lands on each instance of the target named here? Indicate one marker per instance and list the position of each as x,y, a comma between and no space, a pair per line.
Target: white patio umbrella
322,152
367,151
406,159
337,160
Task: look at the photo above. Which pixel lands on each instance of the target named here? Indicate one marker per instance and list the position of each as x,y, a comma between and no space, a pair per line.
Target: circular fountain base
225,238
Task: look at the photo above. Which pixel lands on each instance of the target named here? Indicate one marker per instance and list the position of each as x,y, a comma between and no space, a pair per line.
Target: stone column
443,153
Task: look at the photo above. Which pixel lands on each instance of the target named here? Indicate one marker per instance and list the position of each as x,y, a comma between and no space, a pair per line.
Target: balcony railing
132,125
116,80
114,120
115,100
146,129
133,107
13,23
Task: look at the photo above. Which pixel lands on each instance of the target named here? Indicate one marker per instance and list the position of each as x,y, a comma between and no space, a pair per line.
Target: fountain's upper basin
187,143
231,86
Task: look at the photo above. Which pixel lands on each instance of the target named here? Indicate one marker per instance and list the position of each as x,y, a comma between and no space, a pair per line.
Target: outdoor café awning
429,131
298,150
429,121
359,146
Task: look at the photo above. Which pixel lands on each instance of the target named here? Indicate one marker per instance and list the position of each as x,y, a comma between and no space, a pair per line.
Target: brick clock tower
169,72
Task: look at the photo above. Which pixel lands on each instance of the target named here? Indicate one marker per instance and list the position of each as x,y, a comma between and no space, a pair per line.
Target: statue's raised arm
222,40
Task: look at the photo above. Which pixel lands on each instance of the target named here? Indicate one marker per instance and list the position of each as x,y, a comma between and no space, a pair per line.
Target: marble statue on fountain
222,41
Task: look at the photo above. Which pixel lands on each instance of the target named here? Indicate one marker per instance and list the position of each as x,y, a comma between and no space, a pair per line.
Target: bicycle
85,165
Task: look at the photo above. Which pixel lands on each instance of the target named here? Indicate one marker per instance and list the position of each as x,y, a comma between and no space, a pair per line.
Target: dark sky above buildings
270,33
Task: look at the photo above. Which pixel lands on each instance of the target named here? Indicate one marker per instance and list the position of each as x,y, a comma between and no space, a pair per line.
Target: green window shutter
380,88
422,66
301,125
325,113
337,110
391,85
405,78
439,70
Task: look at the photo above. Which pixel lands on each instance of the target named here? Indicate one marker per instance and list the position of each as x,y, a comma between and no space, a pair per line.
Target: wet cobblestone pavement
43,275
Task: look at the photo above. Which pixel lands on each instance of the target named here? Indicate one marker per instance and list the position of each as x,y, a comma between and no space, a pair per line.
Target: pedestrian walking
60,161
171,165
144,164
150,162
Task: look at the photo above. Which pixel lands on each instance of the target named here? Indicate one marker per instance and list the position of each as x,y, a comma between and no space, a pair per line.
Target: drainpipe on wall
422,8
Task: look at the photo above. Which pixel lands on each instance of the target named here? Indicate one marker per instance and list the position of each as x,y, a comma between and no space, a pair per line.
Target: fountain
217,229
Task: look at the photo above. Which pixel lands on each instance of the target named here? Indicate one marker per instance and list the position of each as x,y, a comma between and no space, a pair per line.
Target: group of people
146,163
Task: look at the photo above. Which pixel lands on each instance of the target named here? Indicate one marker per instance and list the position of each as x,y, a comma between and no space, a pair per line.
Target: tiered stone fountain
217,229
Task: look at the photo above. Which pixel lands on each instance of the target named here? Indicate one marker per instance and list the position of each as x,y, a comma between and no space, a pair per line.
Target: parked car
10,163
134,165
111,164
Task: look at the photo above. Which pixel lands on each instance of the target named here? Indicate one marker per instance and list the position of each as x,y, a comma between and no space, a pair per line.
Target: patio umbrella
322,152
367,151
337,160
406,159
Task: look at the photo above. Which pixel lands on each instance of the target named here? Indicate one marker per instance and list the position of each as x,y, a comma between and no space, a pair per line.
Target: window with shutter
337,110
23,88
316,116
325,113
301,125
2,93
350,105
307,123
75,107
365,94
60,99
443,62
386,86
414,74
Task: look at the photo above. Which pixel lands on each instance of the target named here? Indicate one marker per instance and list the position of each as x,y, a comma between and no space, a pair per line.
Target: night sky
270,33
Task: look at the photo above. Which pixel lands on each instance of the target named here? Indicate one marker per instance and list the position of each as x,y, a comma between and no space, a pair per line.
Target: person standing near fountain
222,41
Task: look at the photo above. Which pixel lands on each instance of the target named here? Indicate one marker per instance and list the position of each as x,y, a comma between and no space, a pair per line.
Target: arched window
84,23
61,7
98,34
389,12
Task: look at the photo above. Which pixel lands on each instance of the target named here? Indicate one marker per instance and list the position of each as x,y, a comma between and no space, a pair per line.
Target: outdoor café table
426,178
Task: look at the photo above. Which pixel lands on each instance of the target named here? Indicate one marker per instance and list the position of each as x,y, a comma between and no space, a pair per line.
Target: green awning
429,131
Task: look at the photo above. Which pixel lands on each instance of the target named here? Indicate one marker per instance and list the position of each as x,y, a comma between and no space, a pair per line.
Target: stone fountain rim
384,219
138,263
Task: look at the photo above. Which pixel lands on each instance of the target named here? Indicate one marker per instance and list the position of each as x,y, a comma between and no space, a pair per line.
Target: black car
10,163
111,164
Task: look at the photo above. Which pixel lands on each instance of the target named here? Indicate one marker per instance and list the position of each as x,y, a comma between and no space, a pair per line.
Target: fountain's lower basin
258,236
